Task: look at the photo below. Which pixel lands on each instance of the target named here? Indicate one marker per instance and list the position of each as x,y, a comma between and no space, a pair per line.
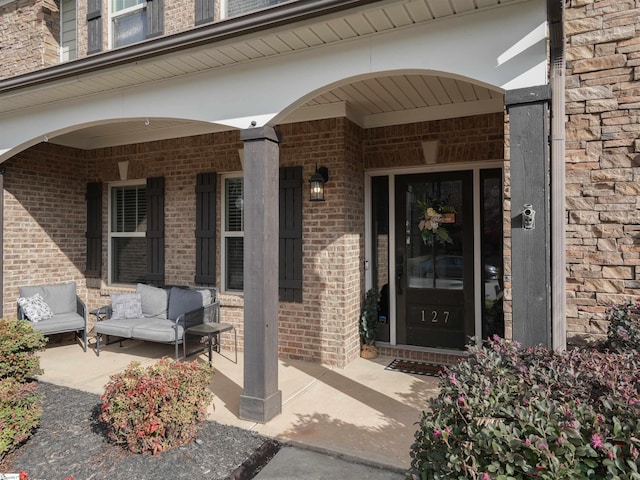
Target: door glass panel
491,246
434,235
380,249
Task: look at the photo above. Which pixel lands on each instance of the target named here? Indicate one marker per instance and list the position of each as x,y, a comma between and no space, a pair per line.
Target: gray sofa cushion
154,300
61,298
64,322
183,300
117,328
156,330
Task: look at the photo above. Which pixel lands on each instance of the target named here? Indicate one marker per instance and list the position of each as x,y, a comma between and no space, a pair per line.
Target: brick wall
462,139
29,33
45,204
603,160
44,220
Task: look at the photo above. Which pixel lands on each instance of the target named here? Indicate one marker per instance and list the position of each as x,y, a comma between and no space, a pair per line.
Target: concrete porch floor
362,412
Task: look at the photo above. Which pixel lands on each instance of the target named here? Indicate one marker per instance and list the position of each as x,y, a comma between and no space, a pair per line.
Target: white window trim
118,234
225,234
120,13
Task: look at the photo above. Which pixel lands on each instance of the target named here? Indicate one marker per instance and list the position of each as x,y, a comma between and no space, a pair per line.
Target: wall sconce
316,184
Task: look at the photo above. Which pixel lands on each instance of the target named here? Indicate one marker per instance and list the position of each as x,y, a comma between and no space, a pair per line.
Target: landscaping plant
506,413
154,409
19,343
623,334
20,410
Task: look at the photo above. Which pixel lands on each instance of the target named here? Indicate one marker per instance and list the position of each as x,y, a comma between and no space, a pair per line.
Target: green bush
623,334
154,409
20,413
505,413
19,343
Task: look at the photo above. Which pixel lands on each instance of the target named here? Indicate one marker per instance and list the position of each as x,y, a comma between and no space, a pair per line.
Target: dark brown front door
434,259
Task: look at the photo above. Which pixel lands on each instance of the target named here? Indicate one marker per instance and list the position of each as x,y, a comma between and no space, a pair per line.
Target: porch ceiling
373,102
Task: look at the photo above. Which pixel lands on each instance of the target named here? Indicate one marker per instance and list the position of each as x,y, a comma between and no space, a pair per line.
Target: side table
210,330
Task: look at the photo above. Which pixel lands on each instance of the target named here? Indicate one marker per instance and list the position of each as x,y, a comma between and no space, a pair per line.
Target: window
290,234
128,22
233,234
127,233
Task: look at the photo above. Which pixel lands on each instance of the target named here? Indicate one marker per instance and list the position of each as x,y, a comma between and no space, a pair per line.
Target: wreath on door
434,214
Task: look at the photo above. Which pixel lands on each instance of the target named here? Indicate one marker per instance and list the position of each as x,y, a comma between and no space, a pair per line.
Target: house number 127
434,316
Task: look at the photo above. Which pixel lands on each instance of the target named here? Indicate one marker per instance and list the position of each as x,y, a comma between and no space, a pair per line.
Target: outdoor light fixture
316,184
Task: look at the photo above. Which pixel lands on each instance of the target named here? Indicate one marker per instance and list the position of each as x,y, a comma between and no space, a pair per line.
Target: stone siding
29,33
603,161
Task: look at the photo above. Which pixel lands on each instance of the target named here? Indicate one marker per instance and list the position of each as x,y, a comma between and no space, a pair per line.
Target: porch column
260,400
530,247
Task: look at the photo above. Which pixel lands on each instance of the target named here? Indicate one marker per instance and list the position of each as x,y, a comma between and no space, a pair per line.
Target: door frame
475,167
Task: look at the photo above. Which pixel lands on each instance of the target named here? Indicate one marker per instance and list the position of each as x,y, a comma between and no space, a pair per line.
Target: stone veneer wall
603,160
29,33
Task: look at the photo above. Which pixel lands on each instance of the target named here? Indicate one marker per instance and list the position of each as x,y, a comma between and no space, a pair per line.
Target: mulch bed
71,442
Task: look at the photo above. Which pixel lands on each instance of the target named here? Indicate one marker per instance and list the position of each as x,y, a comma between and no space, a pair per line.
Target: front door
434,259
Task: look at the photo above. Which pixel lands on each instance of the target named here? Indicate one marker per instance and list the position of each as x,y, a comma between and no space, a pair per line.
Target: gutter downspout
557,40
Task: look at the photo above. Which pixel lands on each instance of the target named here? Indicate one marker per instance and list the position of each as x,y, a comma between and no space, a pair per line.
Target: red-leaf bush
154,409
19,343
20,410
20,413
623,334
506,413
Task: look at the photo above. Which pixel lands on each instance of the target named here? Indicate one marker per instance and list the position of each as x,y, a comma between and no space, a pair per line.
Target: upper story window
128,22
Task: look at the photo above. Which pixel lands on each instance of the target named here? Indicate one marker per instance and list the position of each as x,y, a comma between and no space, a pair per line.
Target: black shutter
155,18
155,231
94,230
290,265
206,229
94,26
204,11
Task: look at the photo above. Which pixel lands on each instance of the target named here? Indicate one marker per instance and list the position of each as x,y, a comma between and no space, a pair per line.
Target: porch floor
362,411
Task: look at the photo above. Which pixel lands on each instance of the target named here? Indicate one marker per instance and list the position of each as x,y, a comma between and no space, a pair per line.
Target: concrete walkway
361,413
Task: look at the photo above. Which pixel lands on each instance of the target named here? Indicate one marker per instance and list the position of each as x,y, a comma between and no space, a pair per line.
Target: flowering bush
623,334
153,409
20,413
19,343
20,409
505,414
430,226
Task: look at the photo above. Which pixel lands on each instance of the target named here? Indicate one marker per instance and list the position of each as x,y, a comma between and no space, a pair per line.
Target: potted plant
369,324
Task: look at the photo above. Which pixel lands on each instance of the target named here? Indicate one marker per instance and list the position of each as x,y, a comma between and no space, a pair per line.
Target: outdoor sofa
53,309
156,314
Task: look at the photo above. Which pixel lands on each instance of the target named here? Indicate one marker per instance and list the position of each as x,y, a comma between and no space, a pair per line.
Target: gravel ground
70,442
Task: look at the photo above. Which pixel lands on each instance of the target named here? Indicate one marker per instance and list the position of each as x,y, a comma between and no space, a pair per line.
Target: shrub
509,414
153,409
623,334
19,343
20,413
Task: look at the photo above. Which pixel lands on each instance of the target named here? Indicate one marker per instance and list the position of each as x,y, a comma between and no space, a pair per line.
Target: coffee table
211,330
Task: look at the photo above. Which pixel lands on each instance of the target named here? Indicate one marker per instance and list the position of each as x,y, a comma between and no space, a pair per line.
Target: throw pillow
35,308
126,305
183,300
154,300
